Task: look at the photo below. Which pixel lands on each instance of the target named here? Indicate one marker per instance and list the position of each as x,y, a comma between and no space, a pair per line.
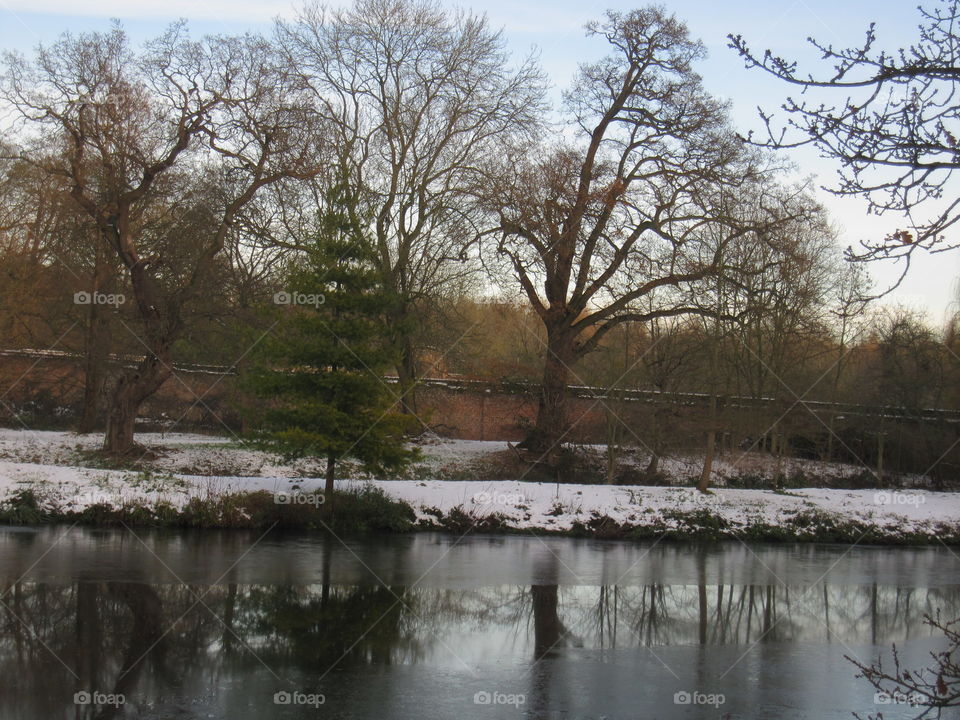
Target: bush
749,481
22,508
369,509
636,476
364,509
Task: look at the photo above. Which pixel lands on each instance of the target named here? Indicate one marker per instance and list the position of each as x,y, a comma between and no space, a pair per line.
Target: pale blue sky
555,28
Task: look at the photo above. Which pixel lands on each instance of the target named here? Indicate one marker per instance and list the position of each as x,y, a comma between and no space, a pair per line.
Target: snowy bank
46,465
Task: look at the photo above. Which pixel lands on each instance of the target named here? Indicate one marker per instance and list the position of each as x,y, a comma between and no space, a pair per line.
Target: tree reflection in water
160,643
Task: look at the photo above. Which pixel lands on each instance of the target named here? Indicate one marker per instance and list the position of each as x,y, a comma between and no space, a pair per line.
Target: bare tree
849,313
777,339
418,98
639,199
775,294
42,228
138,133
670,357
910,362
895,133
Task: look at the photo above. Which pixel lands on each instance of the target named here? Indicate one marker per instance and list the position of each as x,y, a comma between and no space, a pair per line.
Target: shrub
22,508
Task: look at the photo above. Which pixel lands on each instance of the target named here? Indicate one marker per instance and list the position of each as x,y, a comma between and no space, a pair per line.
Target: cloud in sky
226,10
523,18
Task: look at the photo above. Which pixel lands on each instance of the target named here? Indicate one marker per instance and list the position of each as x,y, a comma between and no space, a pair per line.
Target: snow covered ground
55,466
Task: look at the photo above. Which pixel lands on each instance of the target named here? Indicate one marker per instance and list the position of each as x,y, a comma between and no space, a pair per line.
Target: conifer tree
320,372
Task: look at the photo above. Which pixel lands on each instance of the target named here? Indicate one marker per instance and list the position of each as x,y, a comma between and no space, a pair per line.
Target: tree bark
328,485
133,388
407,377
94,371
656,451
880,455
614,437
551,426
162,325
97,347
654,465
704,481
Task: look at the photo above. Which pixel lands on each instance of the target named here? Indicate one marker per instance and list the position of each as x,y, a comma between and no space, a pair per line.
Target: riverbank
52,477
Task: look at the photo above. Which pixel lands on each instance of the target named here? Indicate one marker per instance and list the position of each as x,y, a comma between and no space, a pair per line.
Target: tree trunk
401,320
704,481
830,433
94,377
328,485
97,346
551,426
656,441
162,325
778,473
880,455
407,378
614,439
133,388
654,465
611,471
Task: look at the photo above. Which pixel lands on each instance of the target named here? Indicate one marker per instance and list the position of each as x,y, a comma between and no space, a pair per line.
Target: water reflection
53,554
233,646
402,649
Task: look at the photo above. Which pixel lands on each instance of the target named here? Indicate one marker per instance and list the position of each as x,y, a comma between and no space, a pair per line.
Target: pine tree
320,372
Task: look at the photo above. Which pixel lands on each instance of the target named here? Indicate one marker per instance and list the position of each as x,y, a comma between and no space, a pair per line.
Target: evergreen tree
320,372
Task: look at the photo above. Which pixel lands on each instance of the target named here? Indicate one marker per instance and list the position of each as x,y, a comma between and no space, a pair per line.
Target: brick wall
46,390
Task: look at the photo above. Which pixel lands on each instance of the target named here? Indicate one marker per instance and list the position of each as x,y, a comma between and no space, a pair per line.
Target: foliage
320,372
23,507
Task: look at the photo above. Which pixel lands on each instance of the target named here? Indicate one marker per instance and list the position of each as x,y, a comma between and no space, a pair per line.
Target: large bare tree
642,196
418,98
140,134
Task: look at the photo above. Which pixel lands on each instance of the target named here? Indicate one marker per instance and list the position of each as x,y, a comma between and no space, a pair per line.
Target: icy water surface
133,624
